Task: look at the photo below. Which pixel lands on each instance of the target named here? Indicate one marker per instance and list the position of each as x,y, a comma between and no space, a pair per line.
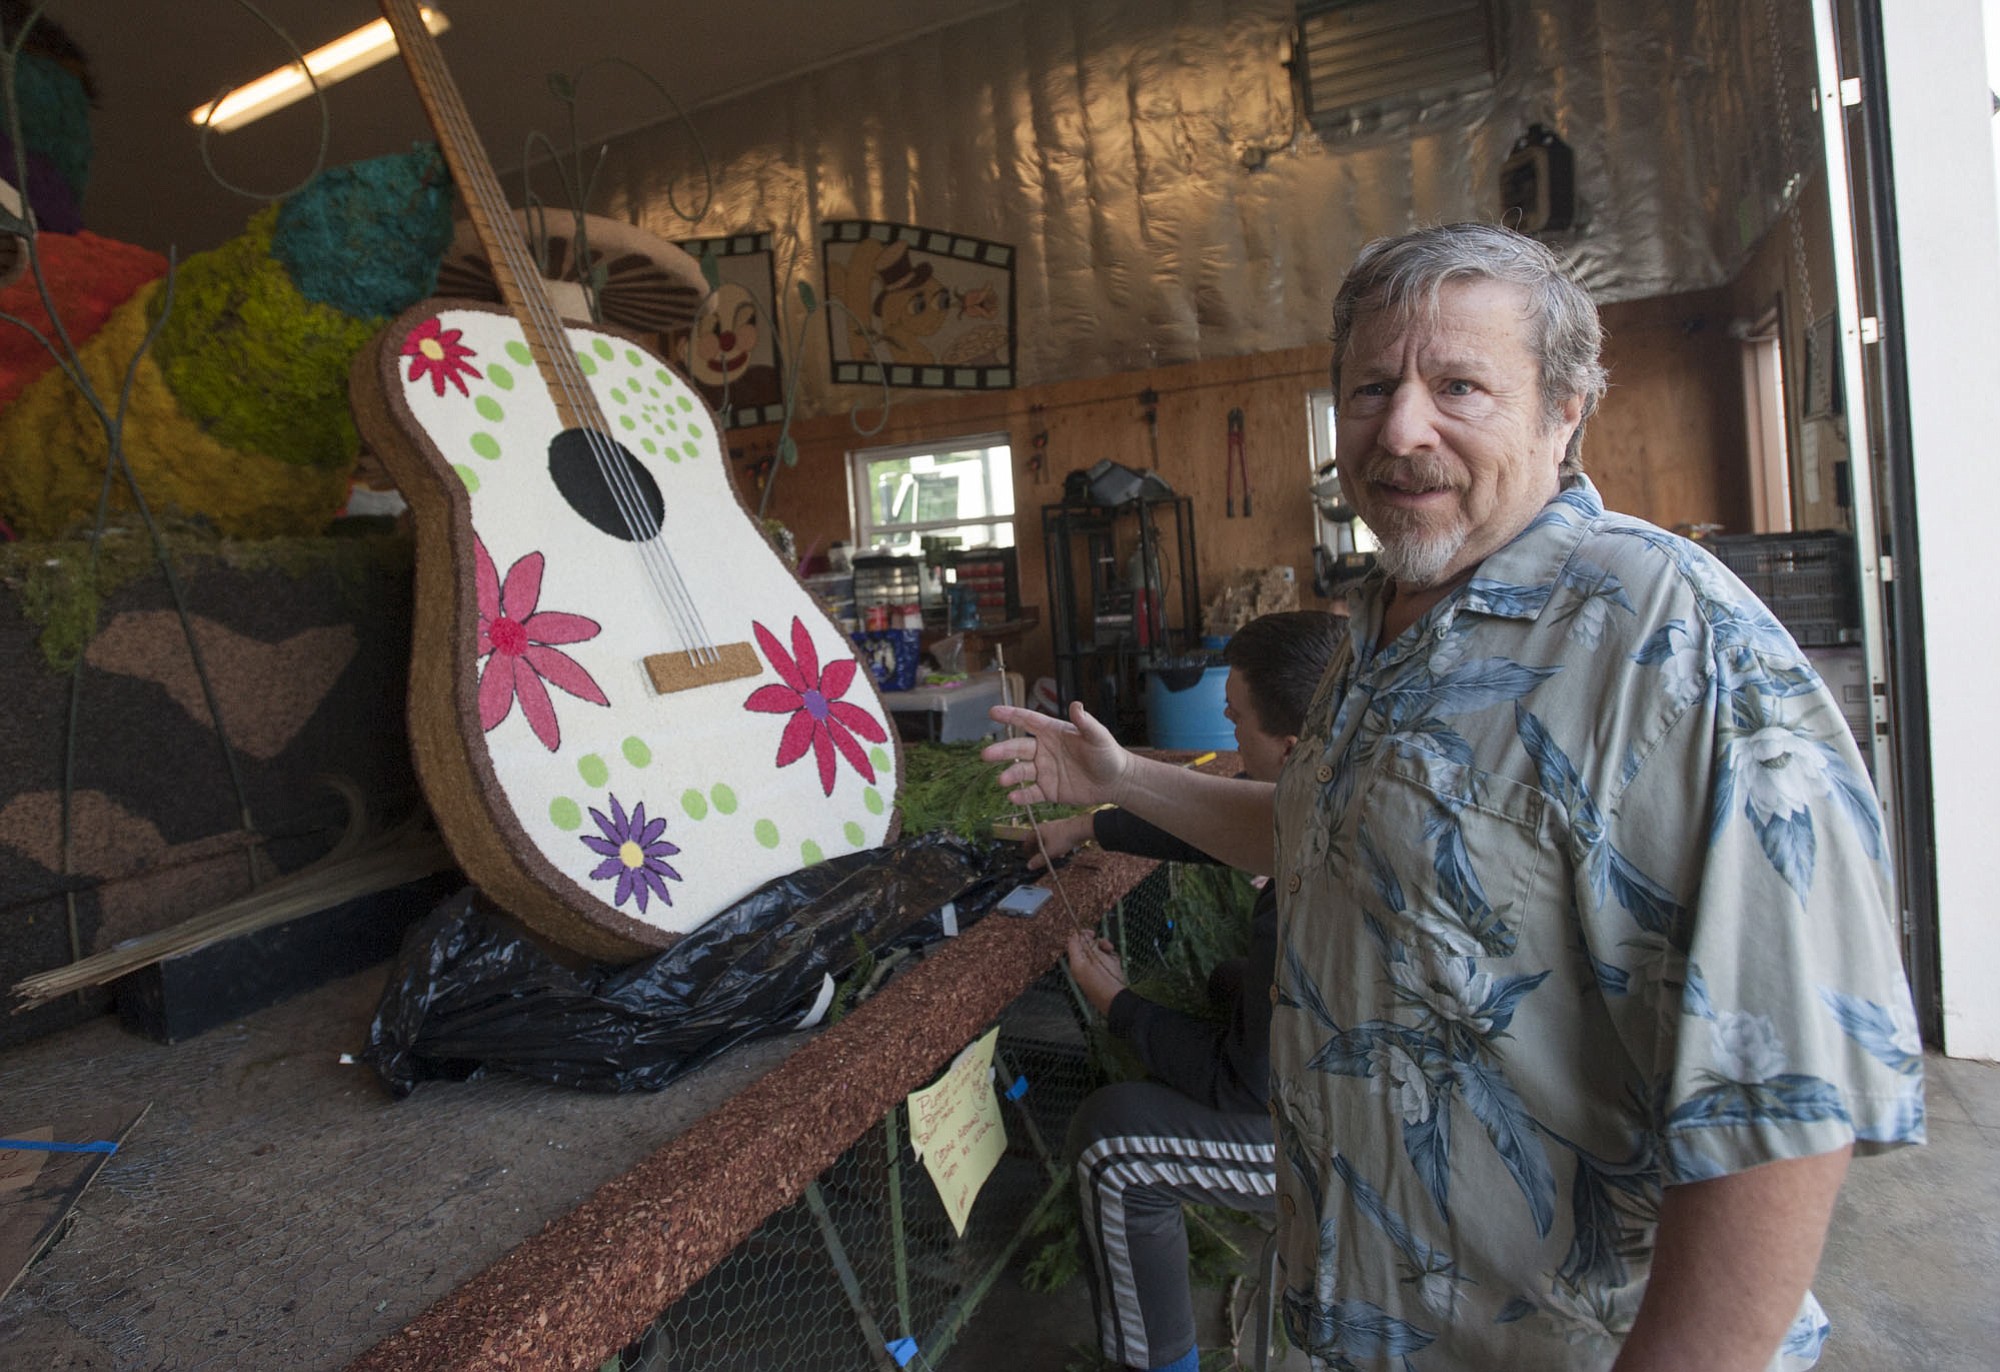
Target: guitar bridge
683,671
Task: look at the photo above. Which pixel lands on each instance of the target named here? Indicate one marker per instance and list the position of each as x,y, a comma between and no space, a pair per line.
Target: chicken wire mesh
868,1258
274,1208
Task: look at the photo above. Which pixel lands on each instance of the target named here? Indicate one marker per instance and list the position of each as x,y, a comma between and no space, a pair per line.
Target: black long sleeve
1223,1066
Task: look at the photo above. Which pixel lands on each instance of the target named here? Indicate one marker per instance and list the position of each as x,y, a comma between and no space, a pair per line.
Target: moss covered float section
62,596
239,414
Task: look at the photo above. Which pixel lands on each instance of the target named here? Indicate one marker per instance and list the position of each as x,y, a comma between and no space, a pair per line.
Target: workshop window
961,491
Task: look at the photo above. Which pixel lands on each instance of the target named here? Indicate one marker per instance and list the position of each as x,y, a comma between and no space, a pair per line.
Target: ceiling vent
1370,64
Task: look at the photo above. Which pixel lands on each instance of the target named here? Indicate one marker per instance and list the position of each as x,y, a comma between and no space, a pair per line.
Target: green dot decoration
636,752
810,854
660,375
500,376
518,350
600,347
683,402
650,446
873,800
467,475
690,449
633,359
588,363
489,409
878,759
625,421
696,807
724,798
694,431
565,813
853,833
766,833
486,445
592,769
618,395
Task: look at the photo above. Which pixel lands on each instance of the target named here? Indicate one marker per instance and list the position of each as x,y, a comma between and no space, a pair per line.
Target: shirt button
1293,882
1440,632
1323,775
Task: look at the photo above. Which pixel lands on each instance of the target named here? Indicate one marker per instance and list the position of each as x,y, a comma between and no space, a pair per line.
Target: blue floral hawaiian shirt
1585,892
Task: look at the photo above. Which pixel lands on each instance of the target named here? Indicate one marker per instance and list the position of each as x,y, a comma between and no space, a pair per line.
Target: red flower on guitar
435,350
821,720
518,641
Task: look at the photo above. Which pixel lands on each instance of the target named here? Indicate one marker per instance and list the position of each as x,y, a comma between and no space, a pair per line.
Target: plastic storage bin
1808,581
1191,717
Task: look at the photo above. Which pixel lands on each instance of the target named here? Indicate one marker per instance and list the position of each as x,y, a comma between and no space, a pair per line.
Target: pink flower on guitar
821,720
434,349
634,851
518,645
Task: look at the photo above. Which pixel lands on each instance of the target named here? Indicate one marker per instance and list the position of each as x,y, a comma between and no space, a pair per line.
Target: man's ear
1566,426
1291,742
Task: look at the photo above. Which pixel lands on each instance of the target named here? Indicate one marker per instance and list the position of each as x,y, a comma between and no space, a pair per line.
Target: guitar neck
492,219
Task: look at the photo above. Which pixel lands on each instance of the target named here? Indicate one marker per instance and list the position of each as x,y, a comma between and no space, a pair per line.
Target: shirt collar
1515,581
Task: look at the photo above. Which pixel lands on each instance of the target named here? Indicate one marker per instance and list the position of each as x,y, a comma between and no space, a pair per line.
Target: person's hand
1074,761
1099,975
1057,837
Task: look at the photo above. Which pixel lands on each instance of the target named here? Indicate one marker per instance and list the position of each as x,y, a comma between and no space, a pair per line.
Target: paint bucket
1185,709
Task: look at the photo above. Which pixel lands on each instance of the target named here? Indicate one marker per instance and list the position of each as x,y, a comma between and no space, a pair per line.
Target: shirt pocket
1467,849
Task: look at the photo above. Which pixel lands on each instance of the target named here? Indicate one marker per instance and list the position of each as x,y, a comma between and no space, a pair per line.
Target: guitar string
654,557
657,560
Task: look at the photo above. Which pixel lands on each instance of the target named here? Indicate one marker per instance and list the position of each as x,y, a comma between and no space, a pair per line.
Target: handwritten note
955,1128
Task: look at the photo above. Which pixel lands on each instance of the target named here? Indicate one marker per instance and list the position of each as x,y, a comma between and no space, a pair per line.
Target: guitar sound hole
578,460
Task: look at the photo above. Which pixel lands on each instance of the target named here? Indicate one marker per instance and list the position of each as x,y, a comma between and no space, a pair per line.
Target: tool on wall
1237,463
1038,459
1150,398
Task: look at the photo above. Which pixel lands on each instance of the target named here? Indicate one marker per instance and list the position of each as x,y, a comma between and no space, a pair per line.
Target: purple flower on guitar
634,852
434,349
518,641
821,720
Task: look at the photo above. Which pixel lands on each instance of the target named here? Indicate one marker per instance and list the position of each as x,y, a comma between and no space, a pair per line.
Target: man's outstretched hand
1073,762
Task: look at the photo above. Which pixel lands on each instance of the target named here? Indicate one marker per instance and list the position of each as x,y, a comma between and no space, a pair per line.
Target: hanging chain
1795,180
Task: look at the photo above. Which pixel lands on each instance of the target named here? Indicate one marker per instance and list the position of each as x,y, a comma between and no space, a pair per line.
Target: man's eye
1459,388
1372,389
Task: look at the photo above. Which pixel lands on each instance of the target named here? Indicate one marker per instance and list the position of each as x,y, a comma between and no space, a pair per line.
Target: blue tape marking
37,1146
1018,1089
902,1350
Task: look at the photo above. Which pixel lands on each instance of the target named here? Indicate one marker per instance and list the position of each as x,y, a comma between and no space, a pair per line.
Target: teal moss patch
367,238
255,363
55,117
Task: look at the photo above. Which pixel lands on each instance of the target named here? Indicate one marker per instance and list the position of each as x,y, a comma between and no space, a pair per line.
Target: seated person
1200,1131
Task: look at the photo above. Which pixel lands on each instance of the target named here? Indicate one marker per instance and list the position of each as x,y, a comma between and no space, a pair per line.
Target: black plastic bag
472,990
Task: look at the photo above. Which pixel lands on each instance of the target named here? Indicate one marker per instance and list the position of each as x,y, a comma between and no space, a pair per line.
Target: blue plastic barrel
1191,717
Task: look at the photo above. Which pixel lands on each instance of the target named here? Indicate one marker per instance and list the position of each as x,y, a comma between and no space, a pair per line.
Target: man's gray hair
1403,275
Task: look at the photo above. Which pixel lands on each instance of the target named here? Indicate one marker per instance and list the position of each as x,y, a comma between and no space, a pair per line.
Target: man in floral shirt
1587,986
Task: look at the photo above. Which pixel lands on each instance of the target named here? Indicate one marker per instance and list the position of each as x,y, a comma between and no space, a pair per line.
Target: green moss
255,363
946,786
62,597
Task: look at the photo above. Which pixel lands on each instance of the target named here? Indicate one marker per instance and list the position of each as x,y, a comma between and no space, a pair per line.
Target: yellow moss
55,452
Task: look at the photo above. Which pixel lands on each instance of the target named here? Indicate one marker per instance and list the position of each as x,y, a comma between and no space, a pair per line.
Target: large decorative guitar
626,711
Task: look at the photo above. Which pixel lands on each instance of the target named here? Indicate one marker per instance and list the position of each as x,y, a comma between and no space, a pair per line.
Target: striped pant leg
1142,1149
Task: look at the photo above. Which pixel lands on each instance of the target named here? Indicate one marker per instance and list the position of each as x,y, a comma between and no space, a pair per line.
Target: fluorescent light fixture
336,61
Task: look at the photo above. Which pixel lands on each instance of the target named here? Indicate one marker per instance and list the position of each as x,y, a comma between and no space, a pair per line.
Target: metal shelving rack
1105,630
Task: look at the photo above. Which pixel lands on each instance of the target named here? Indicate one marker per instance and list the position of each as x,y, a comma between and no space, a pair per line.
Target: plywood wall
1087,421
1668,442
1667,445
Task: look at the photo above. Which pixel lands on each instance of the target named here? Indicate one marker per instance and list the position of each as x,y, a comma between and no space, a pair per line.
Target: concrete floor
1908,1279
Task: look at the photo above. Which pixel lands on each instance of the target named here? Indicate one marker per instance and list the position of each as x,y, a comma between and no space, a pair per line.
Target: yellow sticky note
955,1128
